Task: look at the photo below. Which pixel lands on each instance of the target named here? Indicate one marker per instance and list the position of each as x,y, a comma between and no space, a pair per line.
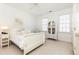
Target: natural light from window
64,23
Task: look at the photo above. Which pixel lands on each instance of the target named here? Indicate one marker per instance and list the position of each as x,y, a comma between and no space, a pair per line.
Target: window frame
65,24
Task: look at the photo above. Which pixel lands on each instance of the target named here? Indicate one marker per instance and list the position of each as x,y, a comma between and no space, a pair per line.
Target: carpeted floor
51,47
11,50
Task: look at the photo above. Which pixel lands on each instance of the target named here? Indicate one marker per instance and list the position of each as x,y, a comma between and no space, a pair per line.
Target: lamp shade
4,27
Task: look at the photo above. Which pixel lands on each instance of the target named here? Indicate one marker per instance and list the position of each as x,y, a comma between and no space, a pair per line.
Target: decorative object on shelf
53,24
49,30
53,30
49,23
53,27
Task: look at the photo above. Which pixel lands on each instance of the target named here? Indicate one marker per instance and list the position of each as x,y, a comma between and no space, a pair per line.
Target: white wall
66,36
55,16
9,14
75,20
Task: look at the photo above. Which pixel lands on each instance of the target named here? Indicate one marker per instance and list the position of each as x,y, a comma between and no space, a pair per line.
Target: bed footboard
32,41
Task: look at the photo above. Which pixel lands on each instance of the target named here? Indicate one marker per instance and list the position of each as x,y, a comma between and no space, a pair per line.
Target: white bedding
17,37
18,40
27,41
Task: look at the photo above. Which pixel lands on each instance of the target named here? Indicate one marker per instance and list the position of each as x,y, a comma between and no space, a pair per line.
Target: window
64,23
44,24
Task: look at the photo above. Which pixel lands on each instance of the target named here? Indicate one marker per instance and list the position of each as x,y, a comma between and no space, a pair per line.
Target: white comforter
18,40
27,41
18,37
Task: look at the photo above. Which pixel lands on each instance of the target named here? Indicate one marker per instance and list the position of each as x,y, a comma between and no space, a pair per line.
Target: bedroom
54,26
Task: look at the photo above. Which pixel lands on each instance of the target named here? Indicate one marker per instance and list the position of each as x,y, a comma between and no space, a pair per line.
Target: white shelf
5,41
5,44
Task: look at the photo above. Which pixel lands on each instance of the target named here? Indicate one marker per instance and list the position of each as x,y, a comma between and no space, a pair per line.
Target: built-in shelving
51,29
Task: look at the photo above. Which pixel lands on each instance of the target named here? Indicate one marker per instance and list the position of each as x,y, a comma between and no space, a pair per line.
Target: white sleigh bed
27,42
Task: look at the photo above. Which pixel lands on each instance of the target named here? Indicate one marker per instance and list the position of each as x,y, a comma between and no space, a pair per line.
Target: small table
4,40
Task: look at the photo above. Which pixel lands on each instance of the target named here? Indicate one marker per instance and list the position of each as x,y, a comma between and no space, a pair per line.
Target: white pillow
22,32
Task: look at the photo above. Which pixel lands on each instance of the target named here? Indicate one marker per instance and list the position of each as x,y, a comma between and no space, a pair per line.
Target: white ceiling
40,8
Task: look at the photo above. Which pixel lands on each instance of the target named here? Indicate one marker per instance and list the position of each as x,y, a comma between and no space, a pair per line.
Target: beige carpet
11,50
51,47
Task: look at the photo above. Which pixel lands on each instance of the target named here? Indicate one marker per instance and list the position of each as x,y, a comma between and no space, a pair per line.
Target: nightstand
4,40
4,37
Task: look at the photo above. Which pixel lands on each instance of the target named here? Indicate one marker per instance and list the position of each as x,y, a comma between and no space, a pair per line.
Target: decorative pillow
22,32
